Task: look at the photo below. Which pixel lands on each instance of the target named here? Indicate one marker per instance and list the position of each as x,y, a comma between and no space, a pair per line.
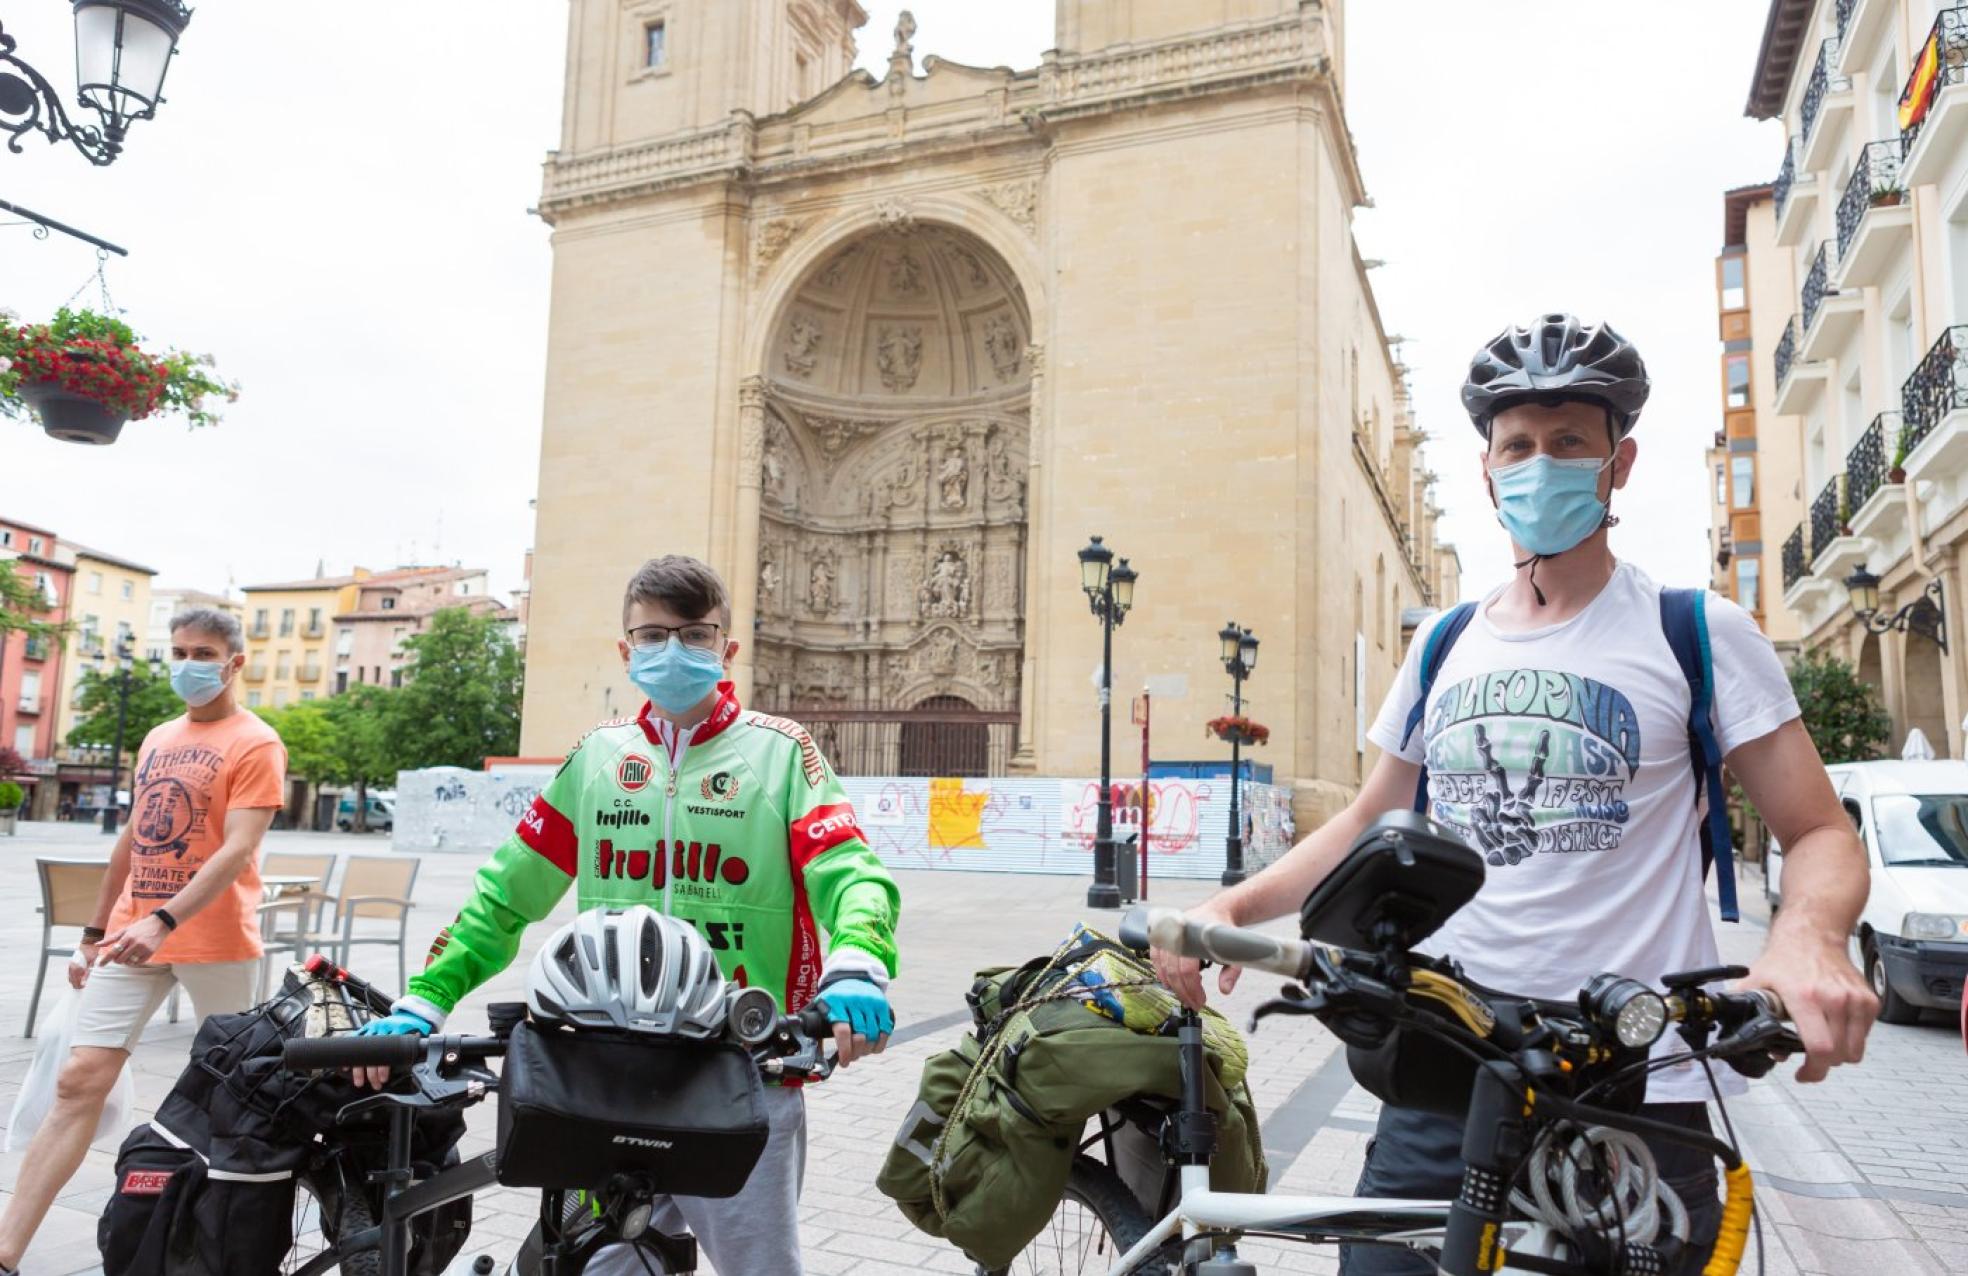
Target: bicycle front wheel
323,1216
1097,1220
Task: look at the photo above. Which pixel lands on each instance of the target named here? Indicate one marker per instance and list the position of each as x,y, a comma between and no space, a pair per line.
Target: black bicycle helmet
1556,359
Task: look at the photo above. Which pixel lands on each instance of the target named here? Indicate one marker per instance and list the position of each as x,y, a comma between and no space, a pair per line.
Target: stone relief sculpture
999,481
945,591
1002,344
820,584
772,465
898,356
802,343
953,478
768,584
905,275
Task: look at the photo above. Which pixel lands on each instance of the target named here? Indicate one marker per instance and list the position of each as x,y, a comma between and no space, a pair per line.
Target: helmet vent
570,965
646,954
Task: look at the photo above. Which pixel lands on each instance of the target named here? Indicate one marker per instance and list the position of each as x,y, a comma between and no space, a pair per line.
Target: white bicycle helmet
632,969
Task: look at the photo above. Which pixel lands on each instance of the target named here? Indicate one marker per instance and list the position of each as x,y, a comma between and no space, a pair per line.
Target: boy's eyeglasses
701,636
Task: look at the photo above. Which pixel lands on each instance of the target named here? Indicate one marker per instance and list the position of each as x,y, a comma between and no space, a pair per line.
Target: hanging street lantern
122,50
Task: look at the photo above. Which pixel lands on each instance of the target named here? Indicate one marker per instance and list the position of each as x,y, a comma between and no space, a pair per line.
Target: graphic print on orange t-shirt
189,776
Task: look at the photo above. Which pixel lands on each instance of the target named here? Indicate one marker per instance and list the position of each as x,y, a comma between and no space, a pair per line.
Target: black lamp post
1239,659
1922,616
122,50
124,654
1109,589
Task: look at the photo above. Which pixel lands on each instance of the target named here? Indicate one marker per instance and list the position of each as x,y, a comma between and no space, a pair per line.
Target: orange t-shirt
189,775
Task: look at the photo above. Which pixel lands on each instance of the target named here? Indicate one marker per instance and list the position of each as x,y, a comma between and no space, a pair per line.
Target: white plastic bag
37,1092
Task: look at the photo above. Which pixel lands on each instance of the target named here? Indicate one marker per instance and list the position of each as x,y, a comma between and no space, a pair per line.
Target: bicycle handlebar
309,1054
1169,929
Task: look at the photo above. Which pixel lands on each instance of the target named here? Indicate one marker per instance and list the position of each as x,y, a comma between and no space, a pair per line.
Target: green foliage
10,797
22,604
1842,714
151,701
459,703
99,357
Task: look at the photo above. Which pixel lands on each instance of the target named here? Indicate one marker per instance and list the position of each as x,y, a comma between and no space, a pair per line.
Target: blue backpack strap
1441,637
1684,622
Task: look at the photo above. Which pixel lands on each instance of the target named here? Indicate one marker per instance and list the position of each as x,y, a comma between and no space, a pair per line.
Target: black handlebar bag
576,1107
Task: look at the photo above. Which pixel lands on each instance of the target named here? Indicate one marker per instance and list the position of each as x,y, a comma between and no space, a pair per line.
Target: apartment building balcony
1829,317
1835,551
1801,585
30,706
1936,102
1861,25
1827,109
1799,382
37,648
255,673
259,630
309,672
1934,404
1796,198
1875,218
1878,505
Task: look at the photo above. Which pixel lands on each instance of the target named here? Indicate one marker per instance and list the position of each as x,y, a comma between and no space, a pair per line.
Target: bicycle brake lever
1291,1000
1760,1045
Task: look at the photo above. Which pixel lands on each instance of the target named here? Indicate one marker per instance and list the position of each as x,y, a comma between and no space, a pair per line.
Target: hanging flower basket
1237,730
83,375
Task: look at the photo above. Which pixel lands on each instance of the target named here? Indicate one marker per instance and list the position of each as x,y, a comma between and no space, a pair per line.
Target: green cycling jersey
737,825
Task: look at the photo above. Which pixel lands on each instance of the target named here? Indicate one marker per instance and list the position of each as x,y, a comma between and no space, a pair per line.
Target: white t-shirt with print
1562,755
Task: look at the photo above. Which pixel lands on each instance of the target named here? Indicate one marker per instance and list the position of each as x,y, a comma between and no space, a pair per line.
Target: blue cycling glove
860,1005
400,1024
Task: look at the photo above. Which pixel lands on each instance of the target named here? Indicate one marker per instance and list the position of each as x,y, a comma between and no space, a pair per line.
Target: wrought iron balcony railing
1794,564
1824,81
1875,183
1948,39
1817,285
1866,463
1786,178
1937,387
1827,516
1786,351
1845,8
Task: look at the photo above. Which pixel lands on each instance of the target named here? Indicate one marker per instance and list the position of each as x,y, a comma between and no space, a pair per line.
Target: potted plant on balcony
1896,473
10,800
1237,729
1887,196
83,375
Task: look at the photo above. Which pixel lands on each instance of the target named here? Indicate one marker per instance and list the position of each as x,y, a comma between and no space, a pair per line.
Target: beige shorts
118,1000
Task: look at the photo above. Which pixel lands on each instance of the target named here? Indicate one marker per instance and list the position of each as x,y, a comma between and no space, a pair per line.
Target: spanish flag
1919,94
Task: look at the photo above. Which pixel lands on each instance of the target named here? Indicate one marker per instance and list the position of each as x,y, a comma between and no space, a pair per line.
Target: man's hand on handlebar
1827,999
1184,975
397,1024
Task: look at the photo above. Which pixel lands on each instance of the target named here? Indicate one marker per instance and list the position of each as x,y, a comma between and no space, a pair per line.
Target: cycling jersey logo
632,773
721,787
703,862
628,817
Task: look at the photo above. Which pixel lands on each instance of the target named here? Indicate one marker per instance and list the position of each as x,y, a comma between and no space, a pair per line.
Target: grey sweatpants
755,1233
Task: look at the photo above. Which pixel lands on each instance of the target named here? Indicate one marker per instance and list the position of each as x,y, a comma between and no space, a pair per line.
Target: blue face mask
673,676
1548,505
197,682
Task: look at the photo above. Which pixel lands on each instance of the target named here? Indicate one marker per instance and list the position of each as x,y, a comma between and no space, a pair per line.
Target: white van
1913,817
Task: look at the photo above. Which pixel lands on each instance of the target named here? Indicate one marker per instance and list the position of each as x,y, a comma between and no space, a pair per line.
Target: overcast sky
339,215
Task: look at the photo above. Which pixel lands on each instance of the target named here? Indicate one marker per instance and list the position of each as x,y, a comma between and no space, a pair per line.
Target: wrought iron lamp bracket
29,104
1924,616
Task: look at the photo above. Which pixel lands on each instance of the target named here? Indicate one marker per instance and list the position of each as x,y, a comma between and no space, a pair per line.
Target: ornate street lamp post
124,654
1923,616
1109,589
122,50
1239,660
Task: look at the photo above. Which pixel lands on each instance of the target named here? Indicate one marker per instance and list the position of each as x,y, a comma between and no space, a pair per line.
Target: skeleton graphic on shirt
1506,830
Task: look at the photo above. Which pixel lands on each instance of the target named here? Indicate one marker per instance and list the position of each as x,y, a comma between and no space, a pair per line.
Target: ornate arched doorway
892,510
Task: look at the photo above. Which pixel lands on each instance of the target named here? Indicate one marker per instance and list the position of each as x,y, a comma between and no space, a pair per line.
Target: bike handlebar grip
814,1022
1772,1004
308,1054
1134,928
1230,945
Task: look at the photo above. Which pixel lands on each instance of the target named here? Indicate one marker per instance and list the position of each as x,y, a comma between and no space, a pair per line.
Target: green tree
1842,714
151,701
358,742
23,606
459,703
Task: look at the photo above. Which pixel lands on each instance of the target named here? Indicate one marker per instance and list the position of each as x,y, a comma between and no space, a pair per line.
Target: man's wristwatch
164,915
93,934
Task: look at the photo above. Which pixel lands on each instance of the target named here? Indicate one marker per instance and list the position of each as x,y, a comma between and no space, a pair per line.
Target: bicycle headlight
1934,926
751,1014
1635,1014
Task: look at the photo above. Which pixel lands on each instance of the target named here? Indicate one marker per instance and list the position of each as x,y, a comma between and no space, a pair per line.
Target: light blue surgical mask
198,682
675,677
1548,505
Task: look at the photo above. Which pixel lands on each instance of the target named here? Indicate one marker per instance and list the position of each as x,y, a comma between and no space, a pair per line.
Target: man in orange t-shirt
178,905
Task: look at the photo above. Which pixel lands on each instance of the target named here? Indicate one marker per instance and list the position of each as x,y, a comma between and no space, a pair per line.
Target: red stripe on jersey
803,964
819,831
551,834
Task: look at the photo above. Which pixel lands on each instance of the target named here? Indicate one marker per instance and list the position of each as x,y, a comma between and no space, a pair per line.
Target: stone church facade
887,352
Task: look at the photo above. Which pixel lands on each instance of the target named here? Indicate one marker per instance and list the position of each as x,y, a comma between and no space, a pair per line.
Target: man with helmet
1555,725
702,811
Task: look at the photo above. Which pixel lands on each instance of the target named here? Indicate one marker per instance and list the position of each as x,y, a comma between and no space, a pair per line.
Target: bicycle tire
1098,1191
348,1214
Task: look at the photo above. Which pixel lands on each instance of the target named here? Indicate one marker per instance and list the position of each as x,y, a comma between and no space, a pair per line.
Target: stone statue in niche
953,479
945,591
898,356
820,584
768,584
1000,482
1002,344
772,466
802,344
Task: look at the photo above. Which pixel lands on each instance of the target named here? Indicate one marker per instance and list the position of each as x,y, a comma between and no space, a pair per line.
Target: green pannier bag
982,1158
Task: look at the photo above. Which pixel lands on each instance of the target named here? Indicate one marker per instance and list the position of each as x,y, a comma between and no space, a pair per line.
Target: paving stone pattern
1871,1164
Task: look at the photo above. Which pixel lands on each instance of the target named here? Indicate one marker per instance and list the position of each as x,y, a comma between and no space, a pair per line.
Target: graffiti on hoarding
1175,812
